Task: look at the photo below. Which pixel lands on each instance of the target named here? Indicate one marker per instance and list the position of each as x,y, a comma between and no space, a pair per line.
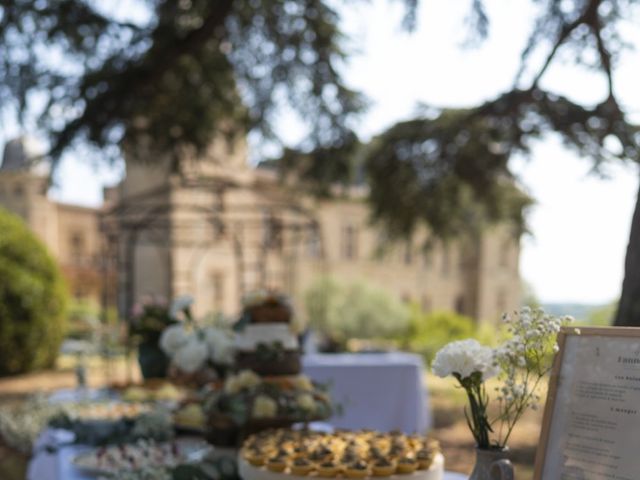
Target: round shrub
429,332
32,300
354,310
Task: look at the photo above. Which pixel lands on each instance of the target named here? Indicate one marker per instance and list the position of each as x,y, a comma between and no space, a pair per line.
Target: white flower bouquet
192,347
521,364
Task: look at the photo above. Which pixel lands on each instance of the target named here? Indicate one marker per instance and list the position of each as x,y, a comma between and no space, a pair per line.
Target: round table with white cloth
379,391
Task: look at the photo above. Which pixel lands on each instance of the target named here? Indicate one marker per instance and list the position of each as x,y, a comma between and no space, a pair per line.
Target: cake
249,403
267,307
267,390
285,454
265,339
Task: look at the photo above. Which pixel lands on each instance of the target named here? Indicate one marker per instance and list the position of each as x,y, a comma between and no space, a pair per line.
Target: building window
349,242
18,190
504,254
381,247
446,261
425,302
77,247
501,301
217,283
459,306
273,233
408,253
314,245
462,261
427,259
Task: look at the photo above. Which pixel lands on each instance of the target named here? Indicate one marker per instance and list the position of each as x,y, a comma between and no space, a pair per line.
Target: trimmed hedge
33,300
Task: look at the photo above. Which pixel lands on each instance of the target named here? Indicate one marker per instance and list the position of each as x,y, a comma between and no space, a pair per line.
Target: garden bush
344,311
429,332
32,300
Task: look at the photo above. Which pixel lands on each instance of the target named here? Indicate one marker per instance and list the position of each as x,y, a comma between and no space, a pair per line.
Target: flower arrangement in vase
198,353
149,318
520,364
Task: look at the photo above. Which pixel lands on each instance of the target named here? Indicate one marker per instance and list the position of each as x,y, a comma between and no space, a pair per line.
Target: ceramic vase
153,361
492,464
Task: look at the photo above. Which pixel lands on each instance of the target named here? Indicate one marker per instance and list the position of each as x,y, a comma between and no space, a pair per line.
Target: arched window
349,242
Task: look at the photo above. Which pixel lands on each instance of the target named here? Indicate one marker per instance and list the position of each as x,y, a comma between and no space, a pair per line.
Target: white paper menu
594,430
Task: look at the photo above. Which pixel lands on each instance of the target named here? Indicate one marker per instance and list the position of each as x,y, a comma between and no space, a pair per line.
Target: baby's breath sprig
524,360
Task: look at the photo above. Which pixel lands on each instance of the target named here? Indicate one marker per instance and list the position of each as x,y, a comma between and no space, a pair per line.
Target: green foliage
529,297
20,425
355,310
448,173
602,316
429,332
148,320
83,320
33,300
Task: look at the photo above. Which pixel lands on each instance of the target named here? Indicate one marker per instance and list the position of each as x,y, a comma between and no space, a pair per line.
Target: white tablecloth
381,391
57,465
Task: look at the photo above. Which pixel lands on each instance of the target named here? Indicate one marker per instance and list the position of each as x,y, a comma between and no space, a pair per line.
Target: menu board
591,427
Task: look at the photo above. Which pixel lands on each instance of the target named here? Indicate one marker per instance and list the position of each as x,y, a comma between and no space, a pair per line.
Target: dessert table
57,465
379,391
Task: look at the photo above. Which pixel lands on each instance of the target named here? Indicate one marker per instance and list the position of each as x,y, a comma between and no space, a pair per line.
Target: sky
580,224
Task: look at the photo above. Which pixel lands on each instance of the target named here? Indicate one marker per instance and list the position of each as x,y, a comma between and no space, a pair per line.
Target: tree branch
130,79
590,18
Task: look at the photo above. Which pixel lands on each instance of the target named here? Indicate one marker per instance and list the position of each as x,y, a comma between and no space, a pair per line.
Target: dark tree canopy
189,70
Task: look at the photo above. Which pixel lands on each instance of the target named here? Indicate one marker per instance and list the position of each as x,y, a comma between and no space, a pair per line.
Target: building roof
24,154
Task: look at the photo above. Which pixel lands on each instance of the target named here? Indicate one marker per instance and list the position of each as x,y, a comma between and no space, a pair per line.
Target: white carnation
191,356
264,407
465,357
173,338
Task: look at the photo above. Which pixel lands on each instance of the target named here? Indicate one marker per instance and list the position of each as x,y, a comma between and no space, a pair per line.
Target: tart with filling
383,467
301,466
255,457
406,465
320,454
328,469
277,464
358,469
424,458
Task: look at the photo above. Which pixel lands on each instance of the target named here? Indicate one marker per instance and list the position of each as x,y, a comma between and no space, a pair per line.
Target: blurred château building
214,227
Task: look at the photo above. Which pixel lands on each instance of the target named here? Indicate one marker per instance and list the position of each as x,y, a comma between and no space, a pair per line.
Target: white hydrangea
220,344
264,407
192,356
464,357
173,338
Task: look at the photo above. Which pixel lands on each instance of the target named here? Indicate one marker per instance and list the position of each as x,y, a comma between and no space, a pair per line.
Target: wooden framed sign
591,425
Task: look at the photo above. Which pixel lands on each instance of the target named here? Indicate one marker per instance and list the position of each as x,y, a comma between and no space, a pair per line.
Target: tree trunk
628,313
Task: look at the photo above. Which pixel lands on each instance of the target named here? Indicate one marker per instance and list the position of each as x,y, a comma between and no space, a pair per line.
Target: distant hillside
600,314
